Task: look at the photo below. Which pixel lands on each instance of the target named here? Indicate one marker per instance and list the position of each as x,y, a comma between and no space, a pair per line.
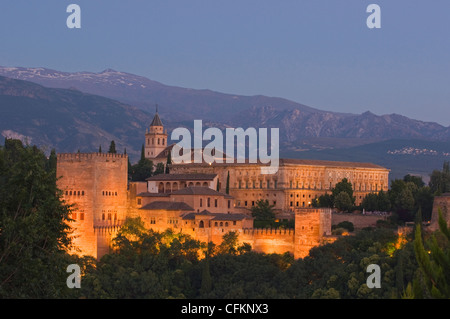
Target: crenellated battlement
88,156
107,229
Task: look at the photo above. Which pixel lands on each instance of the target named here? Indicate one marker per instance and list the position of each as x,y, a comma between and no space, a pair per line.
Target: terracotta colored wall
359,221
96,175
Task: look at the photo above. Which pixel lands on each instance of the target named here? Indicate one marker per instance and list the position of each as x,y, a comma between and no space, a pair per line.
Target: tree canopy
34,234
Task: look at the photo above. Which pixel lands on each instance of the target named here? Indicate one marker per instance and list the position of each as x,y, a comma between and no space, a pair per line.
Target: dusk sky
319,53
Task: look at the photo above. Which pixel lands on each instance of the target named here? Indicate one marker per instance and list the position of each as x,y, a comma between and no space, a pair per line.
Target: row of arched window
161,141
257,184
109,216
107,193
74,193
216,224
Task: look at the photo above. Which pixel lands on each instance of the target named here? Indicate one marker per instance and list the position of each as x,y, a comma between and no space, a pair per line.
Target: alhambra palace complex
187,200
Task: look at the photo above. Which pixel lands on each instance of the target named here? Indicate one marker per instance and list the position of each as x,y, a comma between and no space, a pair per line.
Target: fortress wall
269,241
308,231
96,184
105,234
359,221
441,203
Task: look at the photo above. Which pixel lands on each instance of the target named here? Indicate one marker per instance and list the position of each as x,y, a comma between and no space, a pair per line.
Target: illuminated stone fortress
192,199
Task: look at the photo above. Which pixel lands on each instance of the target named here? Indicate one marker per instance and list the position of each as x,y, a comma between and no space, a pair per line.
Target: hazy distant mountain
180,103
69,120
300,125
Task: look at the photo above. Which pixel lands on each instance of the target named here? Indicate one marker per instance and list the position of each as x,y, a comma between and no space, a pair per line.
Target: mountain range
82,110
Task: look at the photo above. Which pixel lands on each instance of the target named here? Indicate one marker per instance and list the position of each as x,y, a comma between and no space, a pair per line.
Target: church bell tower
155,138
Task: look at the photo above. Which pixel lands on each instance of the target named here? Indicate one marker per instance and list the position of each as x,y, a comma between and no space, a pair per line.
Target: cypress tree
112,148
142,153
100,149
435,264
206,278
51,165
227,189
169,162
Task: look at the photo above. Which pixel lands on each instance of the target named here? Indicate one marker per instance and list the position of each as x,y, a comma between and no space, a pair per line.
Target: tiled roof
156,121
161,205
147,194
182,177
289,161
197,190
217,216
231,217
328,163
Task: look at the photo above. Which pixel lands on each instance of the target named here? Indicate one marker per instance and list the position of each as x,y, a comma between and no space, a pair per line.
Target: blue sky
319,53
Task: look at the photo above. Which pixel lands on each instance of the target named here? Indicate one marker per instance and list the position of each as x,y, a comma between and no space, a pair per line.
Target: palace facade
193,198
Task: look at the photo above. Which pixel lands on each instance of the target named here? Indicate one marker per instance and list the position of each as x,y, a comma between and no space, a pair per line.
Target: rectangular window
201,202
229,203
209,202
215,202
81,216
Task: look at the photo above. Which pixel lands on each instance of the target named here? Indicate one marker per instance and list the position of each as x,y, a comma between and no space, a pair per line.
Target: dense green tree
424,201
370,202
263,210
144,264
417,180
434,279
168,162
142,169
34,233
343,186
227,187
440,180
343,202
52,160
384,203
329,200
159,169
325,200
206,279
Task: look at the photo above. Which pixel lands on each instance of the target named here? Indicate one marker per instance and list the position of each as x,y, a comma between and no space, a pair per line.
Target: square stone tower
155,138
96,185
312,225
